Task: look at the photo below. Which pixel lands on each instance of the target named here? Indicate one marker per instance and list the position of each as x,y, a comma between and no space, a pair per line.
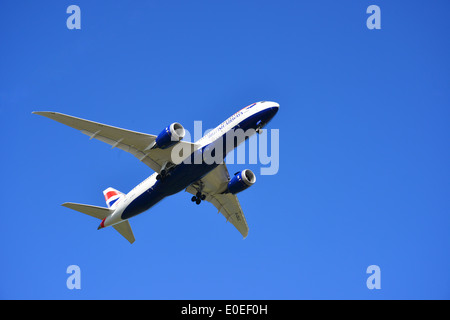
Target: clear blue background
364,148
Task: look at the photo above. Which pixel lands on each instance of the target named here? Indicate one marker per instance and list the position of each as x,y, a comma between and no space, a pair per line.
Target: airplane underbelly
141,203
179,179
183,176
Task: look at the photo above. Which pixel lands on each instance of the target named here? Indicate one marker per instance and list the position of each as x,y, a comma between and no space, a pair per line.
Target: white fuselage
150,191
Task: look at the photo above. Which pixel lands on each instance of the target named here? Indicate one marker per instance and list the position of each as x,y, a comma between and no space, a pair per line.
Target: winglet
42,113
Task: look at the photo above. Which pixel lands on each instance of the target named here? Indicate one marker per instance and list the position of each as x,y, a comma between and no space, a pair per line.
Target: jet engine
241,181
169,136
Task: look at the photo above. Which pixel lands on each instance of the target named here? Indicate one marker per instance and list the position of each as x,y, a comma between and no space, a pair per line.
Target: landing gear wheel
198,196
158,177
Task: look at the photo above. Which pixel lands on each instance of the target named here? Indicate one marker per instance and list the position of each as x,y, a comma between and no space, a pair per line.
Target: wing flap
136,143
214,184
98,130
228,205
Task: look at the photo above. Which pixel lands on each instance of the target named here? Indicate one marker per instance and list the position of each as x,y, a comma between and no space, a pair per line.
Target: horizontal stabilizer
101,213
93,211
124,229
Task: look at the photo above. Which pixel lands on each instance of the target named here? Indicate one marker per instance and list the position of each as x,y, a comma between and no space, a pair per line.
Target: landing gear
198,198
161,175
259,126
165,170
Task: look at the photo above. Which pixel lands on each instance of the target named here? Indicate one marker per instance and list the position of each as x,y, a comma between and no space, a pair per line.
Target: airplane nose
275,109
269,113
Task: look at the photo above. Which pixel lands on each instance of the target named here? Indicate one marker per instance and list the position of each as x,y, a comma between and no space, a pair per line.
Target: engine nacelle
170,136
241,181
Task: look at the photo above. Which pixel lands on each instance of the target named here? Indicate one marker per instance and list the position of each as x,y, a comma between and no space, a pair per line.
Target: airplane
178,165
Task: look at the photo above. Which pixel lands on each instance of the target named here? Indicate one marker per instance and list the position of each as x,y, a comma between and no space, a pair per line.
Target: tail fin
123,228
112,196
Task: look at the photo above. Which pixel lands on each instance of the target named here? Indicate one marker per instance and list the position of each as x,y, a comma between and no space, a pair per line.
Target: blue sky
364,160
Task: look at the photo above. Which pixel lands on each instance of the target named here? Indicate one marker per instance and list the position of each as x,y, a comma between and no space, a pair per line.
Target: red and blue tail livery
112,196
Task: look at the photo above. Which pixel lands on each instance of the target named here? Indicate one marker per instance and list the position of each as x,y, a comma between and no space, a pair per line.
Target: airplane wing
214,184
133,142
